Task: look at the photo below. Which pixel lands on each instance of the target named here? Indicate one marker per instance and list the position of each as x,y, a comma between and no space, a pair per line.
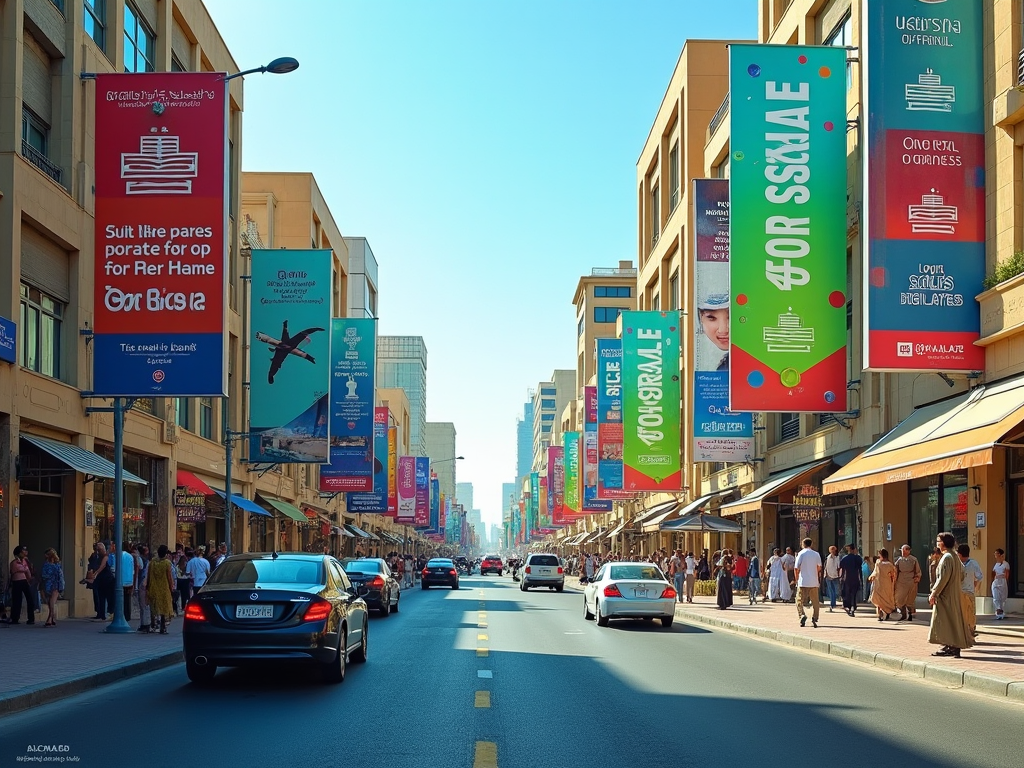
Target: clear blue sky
487,150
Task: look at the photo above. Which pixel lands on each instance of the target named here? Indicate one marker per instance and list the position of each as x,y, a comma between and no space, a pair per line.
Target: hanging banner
571,473
534,500
189,506
159,272
543,517
392,471
446,511
288,391
353,366
376,501
589,456
436,498
787,234
422,508
556,484
406,486
719,434
651,448
609,420
924,190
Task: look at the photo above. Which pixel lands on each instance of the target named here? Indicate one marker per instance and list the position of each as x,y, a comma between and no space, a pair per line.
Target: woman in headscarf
723,589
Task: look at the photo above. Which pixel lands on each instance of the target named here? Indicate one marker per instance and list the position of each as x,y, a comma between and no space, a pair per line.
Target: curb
26,698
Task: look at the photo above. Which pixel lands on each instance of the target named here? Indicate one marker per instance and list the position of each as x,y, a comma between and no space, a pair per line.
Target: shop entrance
42,520
1015,542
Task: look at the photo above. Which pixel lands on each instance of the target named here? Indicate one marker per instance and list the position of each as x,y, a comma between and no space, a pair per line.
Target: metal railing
1020,67
789,430
719,117
41,161
612,271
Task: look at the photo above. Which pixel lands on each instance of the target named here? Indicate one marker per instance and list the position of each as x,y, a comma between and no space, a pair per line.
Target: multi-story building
362,282
549,399
441,450
600,298
397,402
464,494
524,445
402,364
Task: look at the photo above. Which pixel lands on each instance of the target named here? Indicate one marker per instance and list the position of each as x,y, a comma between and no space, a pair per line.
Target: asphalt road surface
489,676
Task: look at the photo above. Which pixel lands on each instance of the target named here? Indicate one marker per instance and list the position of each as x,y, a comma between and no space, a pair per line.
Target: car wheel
522,586
587,615
334,670
385,606
394,607
423,585
200,675
359,655
602,621
666,621
559,588
455,585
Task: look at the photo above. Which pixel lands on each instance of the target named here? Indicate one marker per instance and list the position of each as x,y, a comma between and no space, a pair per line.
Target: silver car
629,591
543,570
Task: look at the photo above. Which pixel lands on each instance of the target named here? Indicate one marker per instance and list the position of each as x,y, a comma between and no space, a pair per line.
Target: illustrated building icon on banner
932,217
789,335
159,167
929,94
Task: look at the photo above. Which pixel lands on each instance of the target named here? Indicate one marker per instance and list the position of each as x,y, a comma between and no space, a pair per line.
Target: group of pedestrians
25,589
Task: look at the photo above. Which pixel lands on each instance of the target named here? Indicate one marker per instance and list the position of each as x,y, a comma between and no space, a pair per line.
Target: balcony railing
719,117
612,272
41,161
1020,67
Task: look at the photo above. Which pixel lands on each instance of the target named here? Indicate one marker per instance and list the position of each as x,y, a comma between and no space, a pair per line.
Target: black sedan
384,591
439,571
275,607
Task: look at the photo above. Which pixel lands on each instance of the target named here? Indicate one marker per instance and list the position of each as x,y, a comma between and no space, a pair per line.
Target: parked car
629,591
491,564
439,571
292,608
542,571
383,589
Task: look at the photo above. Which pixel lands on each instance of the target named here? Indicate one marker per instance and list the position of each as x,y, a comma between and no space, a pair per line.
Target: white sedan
629,591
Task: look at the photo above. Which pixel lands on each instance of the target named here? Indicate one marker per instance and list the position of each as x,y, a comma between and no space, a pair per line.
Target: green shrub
1011,267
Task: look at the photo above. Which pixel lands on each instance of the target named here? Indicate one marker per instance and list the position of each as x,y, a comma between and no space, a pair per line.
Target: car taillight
527,569
612,591
376,582
317,611
425,572
668,593
451,572
194,612
560,571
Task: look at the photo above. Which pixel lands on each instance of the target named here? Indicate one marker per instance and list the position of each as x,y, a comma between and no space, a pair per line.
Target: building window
841,37
40,332
606,314
579,327
612,292
547,417
206,417
95,21
181,413
673,291
139,42
547,404
655,302
177,66
145,404
35,143
789,426
548,391
545,428
673,176
655,215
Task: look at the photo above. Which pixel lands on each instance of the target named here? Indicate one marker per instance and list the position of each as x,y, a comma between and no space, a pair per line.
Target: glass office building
402,364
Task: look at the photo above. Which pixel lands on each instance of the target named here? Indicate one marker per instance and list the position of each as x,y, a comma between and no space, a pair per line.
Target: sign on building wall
189,506
406,484
787,228
375,501
924,190
159,313
719,434
8,340
651,450
353,366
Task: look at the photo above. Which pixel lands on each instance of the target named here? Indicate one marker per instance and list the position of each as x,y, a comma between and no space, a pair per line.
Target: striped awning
88,463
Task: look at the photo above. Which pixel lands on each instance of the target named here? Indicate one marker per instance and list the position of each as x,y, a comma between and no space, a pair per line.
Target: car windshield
283,570
491,557
361,566
635,572
543,560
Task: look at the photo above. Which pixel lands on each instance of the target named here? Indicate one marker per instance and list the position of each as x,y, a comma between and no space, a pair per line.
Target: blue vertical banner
422,519
375,501
609,420
353,366
288,391
435,505
589,456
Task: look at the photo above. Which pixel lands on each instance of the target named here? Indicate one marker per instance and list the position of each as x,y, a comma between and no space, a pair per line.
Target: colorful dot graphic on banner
825,72
754,70
755,379
837,299
802,59
829,125
789,377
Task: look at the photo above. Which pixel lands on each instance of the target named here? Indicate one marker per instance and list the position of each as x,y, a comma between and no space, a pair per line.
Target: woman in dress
723,589
53,584
883,579
159,583
1000,582
20,584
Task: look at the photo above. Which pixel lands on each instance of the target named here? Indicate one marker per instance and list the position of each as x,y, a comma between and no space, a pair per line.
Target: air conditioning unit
170,433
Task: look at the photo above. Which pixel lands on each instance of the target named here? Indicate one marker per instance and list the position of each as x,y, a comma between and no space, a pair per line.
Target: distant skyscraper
464,493
402,364
524,445
440,441
508,490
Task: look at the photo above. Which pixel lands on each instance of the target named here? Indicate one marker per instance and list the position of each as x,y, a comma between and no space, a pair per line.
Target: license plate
639,593
254,611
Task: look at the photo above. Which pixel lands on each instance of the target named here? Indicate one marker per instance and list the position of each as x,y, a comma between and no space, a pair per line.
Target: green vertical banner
651,400
571,497
534,500
787,188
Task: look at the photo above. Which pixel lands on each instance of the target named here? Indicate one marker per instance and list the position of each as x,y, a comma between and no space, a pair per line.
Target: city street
491,676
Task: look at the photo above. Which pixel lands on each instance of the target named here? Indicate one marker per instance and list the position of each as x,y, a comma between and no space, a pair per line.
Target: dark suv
491,563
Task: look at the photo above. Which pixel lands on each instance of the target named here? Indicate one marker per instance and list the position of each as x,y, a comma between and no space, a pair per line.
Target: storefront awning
361,533
576,538
185,479
778,484
615,531
698,504
337,530
595,536
243,503
701,523
652,523
90,464
943,437
656,510
286,509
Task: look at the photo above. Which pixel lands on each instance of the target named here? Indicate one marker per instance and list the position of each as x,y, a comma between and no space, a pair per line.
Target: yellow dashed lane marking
481,651
481,638
483,700
485,755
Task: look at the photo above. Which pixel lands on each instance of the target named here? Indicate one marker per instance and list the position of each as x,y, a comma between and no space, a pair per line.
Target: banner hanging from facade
543,516
924,191
787,228
160,266
719,434
406,487
651,448
589,456
571,473
353,388
535,519
436,498
609,420
375,501
422,509
556,484
392,472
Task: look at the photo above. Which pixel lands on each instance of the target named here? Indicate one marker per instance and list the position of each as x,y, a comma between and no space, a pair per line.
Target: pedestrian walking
948,627
933,562
159,583
198,570
182,580
866,569
830,571
129,575
677,569
142,596
754,578
973,578
739,572
21,578
90,579
850,570
778,579
1000,584
789,563
908,576
52,575
691,575
588,568
883,591
807,569
105,581
723,587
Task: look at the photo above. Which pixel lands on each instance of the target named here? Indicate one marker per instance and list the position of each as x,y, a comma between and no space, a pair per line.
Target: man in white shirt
807,568
126,570
972,578
198,569
691,575
832,577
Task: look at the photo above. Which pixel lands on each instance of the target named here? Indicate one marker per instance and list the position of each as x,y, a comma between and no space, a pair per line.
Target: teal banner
289,362
571,501
787,228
